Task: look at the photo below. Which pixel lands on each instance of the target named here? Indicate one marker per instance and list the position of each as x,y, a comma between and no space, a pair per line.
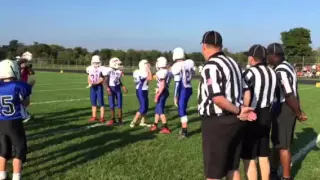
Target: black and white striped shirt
220,76
261,80
288,80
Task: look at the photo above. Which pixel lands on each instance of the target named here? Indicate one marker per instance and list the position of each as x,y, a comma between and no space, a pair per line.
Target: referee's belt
218,114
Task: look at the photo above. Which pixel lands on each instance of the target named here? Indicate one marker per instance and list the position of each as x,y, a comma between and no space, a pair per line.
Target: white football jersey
114,75
164,74
183,72
94,73
140,79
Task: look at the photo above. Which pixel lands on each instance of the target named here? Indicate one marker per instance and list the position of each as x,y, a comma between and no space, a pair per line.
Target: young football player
141,77
183,70
25,71
14,97
95,81
162,93
113,86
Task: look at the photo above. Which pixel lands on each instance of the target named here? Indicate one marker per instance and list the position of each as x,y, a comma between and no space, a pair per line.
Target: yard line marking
49,90
82,99
72,100
53,84
82,128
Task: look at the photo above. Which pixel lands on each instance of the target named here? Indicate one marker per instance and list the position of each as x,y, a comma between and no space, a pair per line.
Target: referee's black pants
221,143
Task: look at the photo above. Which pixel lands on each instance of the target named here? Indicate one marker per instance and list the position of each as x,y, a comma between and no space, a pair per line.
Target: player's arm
124,88
247,83
30,70
176,86
149,77
101,79
162,84
25,92
291,100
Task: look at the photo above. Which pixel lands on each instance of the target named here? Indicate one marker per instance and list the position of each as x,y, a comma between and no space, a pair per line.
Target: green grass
121,153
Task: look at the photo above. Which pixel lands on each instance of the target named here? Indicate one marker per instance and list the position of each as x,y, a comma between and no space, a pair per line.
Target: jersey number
7,105
94,78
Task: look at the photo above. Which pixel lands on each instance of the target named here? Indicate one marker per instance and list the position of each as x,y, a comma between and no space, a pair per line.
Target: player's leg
144,109
119,99
165,129
183,105
93,100
100,97
111,99
138,113
154,127
5,154
18,139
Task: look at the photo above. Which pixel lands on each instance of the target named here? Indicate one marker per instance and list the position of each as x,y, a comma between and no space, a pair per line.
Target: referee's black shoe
183,133
274,174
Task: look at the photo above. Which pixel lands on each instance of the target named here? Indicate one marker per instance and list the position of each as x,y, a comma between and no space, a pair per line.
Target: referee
259,91
289,108
219,103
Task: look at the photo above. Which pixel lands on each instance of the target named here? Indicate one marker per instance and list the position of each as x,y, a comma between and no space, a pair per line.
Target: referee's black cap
275,48
257,51
212,38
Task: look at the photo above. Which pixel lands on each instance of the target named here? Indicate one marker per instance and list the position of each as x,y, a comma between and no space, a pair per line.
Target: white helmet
114,63
27,56
200,68
142,64
119,63
178,54
95,61
161,63
9,69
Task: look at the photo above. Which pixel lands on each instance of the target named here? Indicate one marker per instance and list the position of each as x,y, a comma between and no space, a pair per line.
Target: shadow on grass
101,142
303,139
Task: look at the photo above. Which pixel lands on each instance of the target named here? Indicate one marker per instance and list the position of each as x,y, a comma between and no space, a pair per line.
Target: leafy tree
297,42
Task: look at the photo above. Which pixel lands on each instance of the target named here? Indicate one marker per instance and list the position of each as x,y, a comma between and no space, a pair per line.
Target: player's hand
302,117
156,98
175,101
89,86
156,90
247,114
109,92
125,90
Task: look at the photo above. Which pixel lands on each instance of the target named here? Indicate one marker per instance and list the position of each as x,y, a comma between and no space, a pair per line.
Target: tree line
296,43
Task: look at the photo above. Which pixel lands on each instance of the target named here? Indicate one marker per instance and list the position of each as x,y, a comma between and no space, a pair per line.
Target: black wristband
239,111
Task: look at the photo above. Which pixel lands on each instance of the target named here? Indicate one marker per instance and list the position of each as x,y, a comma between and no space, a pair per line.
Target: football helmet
178,54
9,69
161,63
95,61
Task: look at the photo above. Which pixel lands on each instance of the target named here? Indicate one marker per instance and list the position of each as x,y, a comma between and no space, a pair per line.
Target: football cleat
102,120
165,131
153,128
111,122
92,119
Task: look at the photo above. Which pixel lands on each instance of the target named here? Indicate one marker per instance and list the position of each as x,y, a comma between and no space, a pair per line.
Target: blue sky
150,24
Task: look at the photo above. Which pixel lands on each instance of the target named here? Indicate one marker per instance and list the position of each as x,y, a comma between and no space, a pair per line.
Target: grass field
62,148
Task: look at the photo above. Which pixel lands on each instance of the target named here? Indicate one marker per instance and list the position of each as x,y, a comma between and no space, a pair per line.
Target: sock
3,175
134,120
16,176
185,130
142,120
165,125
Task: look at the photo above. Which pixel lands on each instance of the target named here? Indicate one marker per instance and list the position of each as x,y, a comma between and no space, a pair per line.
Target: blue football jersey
11,96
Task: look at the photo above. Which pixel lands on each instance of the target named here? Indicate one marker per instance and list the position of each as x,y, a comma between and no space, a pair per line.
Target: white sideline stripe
80,128
53,84
302,152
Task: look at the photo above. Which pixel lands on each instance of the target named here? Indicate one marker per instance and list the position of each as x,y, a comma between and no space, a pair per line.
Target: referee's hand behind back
247,114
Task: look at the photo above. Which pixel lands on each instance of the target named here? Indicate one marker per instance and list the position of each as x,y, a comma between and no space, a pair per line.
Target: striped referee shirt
261,80
288,80
220,76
